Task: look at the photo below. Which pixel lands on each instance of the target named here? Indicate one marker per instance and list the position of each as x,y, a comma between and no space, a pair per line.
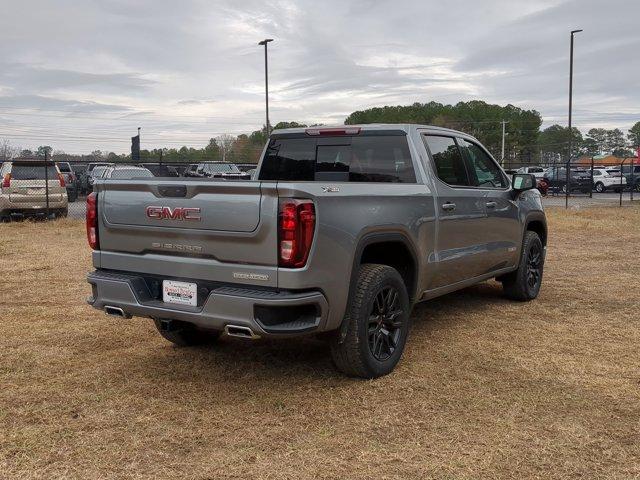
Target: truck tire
524,284
600,187
377,324
185,334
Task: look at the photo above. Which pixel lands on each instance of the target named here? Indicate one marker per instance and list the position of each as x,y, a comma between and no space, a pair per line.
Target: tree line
525,142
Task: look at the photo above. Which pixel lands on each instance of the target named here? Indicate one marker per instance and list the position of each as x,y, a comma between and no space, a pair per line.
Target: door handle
491,204
449,207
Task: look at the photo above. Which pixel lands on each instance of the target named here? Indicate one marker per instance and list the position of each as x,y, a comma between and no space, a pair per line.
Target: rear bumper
267,312
25,209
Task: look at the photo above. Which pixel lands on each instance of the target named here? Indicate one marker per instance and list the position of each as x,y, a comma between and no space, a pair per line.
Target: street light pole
266,79
568,188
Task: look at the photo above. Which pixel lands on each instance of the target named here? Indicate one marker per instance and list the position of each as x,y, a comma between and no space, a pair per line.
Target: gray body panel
237,237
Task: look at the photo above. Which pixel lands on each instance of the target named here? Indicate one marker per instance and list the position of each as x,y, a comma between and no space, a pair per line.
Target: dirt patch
487,388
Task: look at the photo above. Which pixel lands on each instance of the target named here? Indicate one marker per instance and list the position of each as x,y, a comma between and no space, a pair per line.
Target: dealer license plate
179,293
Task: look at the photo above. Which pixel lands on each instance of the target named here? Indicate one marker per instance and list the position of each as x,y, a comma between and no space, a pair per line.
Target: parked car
180,169
158,170
224,170
95,173
579,180
632,176
79,170
246,167
85,180
542,185
344,231
192,171
29,186
537,171
70,180
605,179
126,172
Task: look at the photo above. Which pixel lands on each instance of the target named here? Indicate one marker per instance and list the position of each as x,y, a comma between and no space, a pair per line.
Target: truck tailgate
224,206
228,234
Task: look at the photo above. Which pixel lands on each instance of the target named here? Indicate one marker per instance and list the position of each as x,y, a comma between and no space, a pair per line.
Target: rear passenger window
384,158
290,159
484,171
381,159
448,160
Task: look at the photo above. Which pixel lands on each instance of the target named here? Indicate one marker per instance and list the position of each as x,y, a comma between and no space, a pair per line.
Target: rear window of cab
374,158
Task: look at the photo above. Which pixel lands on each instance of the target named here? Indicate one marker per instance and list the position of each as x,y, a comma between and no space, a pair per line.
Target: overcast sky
82,75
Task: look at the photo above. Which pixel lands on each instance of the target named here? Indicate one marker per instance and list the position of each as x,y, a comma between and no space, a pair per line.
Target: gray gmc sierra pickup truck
342,231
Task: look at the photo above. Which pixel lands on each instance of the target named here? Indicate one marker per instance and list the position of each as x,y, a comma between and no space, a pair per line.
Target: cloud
39,102
38,79
183,70
189,102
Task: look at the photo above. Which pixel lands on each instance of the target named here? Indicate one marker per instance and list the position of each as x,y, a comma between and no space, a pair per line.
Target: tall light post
266,79
566,198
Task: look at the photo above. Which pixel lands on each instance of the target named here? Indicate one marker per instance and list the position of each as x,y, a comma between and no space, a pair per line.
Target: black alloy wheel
534,264
385,323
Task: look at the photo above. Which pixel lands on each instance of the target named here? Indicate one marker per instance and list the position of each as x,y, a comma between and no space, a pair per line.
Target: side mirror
523,181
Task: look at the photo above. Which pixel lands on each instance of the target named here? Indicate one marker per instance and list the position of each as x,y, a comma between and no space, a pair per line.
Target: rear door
462,228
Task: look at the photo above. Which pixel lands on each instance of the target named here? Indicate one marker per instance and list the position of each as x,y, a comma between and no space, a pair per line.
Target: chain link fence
40,188
585,181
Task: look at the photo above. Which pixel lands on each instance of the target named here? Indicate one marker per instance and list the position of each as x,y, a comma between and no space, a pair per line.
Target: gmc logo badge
178,213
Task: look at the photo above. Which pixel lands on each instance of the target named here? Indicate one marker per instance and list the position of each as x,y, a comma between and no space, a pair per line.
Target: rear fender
370,239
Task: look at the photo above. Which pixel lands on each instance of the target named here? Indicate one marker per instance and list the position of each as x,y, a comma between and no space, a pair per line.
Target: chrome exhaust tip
240,331
115,312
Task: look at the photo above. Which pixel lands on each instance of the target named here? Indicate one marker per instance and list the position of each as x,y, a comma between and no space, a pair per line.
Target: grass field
487,388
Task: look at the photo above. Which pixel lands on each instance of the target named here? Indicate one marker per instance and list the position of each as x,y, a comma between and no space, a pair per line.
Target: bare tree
225,142
7,150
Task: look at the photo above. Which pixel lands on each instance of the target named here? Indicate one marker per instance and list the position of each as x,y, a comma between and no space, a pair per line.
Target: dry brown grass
487,388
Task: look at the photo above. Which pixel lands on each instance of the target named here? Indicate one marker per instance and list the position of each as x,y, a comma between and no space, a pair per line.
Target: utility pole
503,135
566,199
266,80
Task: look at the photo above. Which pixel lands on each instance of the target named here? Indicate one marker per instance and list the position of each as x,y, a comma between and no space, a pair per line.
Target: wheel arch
536,222
374,247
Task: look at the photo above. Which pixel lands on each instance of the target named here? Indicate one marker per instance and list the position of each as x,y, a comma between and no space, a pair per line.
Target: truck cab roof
372,127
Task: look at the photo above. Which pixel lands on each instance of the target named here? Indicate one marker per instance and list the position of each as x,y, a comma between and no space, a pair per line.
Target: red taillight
6,181
296,224
61,178
333,131
92,221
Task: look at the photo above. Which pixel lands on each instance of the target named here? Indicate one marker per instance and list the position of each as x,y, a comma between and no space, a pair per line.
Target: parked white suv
27,184
608,179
